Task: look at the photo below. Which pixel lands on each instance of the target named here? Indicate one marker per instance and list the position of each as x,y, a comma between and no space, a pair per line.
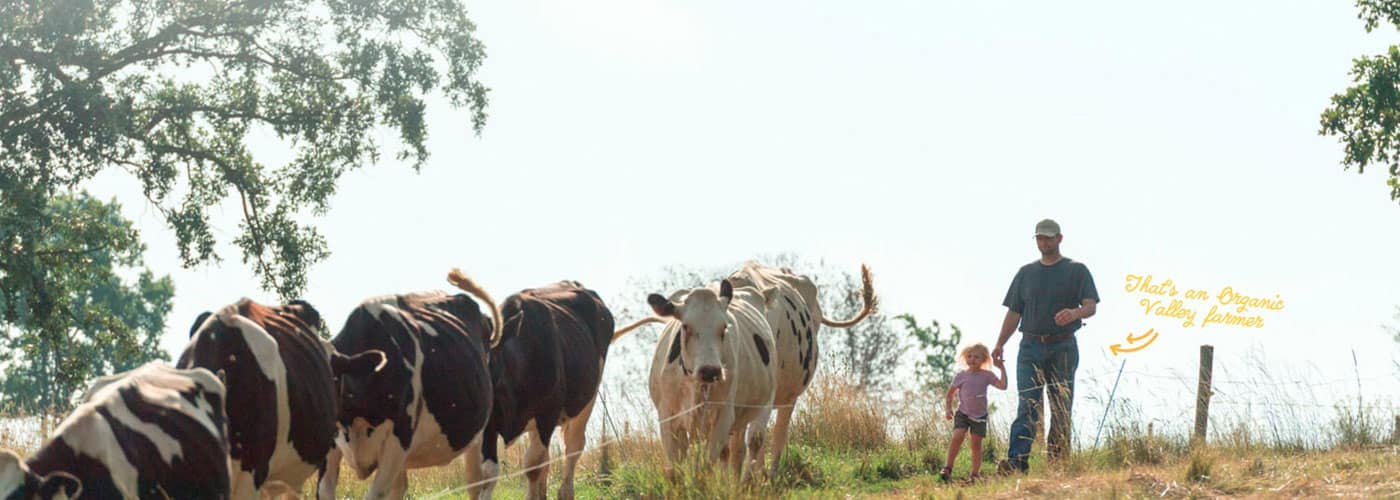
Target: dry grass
836,414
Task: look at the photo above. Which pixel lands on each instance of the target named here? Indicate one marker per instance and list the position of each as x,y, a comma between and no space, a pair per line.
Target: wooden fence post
1203,393
1395,435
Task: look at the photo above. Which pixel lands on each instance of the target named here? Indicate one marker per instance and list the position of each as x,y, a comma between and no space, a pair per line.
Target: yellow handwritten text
1226,318
1144,284
1229,296
1176,310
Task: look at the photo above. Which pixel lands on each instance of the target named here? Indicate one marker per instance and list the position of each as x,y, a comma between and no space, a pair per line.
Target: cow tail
867,294
460,280
639,323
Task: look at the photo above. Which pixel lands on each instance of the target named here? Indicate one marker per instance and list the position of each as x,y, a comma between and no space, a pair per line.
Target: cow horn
460,280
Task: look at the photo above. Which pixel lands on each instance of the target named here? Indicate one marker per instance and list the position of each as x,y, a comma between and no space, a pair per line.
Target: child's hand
998,362
948,415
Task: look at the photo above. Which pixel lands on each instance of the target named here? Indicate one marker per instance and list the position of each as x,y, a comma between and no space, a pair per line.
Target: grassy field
848,445
1365,473
844,447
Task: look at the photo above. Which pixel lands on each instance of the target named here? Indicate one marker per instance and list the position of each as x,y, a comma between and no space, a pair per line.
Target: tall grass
836,414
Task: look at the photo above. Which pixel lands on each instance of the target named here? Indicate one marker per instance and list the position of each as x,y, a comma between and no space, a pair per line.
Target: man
1048,298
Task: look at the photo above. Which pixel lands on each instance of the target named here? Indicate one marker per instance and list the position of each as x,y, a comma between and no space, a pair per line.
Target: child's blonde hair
977,348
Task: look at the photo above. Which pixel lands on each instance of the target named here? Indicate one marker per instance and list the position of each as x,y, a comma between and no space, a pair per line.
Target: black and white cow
428,403
794,315
281,399
152,432
712,374
545,372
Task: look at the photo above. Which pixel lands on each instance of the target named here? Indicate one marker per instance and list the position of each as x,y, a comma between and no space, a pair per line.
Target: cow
545,373
429,403
152,432
794,315
281,398
713,374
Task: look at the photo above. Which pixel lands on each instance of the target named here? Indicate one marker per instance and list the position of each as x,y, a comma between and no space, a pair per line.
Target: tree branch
41,60
250,216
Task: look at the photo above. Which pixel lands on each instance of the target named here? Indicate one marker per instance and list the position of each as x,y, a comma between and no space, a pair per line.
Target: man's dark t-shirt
1039,291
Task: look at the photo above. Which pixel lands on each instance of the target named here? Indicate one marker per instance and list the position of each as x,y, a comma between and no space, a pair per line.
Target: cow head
704,320
16,481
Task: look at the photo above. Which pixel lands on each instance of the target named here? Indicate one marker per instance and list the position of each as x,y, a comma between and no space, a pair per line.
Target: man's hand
998,362
1066,316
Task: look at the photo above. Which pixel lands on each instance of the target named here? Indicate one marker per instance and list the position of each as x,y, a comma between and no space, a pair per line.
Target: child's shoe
945,474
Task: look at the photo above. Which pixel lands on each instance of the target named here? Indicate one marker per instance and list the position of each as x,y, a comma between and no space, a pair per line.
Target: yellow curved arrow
1117,348
1133,340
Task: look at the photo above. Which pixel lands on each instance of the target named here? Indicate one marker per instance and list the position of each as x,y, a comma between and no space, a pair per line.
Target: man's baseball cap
1047,227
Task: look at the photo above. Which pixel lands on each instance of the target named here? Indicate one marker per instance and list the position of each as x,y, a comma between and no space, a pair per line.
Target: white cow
715,353
794,313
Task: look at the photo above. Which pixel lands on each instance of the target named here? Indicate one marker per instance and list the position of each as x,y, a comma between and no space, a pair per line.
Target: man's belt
1051,339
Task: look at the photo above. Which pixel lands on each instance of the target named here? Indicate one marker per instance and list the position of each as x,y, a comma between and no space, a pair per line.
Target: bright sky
923,138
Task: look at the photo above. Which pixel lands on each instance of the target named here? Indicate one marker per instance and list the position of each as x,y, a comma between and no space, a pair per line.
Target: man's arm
1085,310
1008,326
1088,309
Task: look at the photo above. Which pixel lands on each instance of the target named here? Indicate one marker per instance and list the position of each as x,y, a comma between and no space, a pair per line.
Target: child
971,387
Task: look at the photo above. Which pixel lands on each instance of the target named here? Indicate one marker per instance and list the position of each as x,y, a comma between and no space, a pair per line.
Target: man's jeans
1041,369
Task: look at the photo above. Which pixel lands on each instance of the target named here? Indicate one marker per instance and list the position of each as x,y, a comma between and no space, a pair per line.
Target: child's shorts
978,426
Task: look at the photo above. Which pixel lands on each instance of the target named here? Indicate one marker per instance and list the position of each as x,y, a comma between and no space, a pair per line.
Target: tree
170,91
939,355
1367,115
92,322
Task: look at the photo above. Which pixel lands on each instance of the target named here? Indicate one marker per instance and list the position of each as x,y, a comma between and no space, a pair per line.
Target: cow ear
661,306
60,485
198,322
726,291
364,363
304,312
11,465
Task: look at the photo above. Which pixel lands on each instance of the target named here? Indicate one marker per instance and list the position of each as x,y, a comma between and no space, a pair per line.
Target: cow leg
673,443
736,452
328,476
400,484
471,457
719,434
490,464
758,432
242,486
391,466
780,435
537,459
574,439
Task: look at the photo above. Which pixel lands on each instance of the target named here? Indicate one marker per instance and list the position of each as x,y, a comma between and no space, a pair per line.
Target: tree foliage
938,354
1366,116
75,317
171,92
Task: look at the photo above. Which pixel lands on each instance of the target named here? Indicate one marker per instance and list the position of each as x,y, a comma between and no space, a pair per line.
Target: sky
922,138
